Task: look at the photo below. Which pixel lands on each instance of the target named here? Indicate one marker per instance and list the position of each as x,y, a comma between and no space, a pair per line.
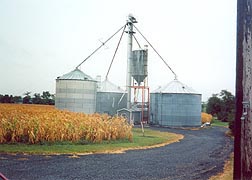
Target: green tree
10,99
227,106
203,106
222,106
37,99
6,99
48,98
213,105
17,99
27,98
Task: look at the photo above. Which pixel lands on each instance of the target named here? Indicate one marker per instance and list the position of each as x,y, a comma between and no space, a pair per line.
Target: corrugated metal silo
76,91
175,105
139,63
110,98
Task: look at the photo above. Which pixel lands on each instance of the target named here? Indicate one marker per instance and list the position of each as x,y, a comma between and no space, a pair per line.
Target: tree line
45,98
222,107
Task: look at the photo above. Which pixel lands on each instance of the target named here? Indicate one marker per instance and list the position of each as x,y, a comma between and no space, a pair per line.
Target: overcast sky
43,39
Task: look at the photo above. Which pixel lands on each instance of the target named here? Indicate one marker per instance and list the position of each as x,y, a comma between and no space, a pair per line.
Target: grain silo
110,98
139,70
76,91
175,105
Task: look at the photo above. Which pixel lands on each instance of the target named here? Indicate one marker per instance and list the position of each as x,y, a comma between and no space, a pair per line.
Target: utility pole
130,32
243,118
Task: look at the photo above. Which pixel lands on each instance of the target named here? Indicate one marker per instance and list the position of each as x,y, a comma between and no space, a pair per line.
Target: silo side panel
152,108
181,110
159,108
110,102
76,95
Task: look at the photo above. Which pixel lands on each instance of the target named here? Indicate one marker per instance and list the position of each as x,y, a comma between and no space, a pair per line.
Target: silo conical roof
107,86
76,75
177,87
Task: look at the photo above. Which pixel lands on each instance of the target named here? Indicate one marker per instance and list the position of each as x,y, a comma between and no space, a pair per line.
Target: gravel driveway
199,155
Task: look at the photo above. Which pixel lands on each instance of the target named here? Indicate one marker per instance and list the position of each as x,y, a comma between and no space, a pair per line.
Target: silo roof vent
177,87
76,75
107,86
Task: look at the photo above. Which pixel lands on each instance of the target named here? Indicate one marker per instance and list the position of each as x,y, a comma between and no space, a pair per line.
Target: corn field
206,118
40,123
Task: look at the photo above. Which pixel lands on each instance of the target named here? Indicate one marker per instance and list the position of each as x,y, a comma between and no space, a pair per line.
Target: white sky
43,39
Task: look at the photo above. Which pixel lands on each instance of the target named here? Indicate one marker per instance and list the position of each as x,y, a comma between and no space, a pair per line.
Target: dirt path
199,155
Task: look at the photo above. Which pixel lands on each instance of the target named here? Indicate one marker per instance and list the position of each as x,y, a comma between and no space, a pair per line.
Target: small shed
133,116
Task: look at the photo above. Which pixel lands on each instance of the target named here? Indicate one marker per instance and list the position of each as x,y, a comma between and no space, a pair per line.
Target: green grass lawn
216,122
151,138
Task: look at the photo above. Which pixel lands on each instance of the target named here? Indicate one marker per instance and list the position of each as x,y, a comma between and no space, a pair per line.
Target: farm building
175,105
172,105
76,91
110,98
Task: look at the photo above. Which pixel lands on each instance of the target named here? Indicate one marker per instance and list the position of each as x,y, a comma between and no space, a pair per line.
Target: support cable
137,41
156,52
100,46
115,52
